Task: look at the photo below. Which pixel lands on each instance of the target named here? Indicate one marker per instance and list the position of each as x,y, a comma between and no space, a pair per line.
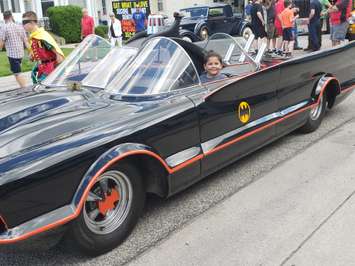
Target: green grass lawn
26,64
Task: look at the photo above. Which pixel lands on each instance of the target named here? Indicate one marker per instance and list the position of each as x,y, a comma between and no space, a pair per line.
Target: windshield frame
154,95
255,65
78,51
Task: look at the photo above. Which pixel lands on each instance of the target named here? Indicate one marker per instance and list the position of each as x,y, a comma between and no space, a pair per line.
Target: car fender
199,25
329,83
108,159
190,34
242,26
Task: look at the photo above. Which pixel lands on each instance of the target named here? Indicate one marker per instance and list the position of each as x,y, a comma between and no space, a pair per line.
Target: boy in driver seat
213,66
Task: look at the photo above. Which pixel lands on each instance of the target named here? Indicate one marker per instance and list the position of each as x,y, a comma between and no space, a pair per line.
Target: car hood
35,124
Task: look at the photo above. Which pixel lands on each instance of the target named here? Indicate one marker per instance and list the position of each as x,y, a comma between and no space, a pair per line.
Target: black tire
81,232
204,33
315,116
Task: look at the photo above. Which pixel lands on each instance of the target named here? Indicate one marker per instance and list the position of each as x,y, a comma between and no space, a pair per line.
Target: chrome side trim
182,156
213,143
38,223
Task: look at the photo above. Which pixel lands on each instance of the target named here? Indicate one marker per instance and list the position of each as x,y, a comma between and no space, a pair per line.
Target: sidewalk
301,213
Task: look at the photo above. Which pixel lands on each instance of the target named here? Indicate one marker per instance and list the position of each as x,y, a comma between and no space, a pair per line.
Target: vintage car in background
196,24
108,126
200,22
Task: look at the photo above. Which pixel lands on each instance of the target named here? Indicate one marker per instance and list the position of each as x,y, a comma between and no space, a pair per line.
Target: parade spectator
296,45
13,37
258,23
338,20
43,48
323,18
213,66
287,20
248,11
314,26
87,24
279,7
115,31
139,20
271,30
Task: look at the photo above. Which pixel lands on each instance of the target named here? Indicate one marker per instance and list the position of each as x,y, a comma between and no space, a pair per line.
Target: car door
235,119
217,20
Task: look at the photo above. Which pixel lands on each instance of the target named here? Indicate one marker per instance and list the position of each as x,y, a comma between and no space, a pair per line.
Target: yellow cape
41,34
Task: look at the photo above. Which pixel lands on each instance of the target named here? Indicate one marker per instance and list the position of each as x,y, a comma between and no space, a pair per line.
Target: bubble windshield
93,63
231,49
161,66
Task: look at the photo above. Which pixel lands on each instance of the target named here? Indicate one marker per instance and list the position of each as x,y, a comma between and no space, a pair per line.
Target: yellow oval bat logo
244,112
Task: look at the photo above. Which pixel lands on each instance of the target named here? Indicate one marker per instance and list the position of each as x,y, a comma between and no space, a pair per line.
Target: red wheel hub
109,202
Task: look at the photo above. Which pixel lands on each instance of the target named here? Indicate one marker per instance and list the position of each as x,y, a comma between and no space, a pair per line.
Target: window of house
15,6
4,5
160,5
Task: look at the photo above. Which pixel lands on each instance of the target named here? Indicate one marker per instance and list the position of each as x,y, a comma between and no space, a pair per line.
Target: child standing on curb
43,48
287,20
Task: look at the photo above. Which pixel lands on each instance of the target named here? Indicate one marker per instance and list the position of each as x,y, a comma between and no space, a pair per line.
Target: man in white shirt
115,31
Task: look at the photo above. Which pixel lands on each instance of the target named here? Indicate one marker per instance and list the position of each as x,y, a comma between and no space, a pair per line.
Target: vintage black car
110,125
200,22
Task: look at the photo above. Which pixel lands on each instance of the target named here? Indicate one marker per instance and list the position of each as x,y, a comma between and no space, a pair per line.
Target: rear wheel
316,115
110,212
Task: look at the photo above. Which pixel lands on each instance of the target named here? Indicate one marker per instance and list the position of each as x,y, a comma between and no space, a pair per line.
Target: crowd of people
275,22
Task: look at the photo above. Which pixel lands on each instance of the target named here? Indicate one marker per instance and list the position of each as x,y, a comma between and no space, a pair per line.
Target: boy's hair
287,3
31,15
212,54
7,14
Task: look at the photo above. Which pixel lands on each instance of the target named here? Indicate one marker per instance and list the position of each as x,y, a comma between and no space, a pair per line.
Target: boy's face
29,24
213,66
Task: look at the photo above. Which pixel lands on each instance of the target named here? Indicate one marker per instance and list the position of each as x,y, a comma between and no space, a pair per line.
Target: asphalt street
164,219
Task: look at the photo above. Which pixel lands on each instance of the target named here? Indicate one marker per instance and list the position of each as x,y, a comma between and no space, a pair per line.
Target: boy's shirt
279,7
139,20
42,45
287,18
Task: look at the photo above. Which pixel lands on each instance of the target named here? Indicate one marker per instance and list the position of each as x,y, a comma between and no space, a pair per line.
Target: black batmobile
110,125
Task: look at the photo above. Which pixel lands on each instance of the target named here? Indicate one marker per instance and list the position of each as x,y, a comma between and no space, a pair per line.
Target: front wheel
204,33
315,116
110,212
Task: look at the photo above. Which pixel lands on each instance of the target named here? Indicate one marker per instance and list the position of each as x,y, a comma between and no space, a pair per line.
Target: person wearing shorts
13,37
271,30
279,7
287,20
338,20
258,23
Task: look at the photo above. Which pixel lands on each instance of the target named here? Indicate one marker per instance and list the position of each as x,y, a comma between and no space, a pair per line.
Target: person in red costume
87,24
43,48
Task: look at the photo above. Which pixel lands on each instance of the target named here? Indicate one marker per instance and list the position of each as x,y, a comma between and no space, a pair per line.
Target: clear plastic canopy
230,48
161,66
93,63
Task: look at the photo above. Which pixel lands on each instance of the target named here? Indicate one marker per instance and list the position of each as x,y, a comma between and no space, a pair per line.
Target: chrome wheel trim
106,224
317,110
204,34
247,32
